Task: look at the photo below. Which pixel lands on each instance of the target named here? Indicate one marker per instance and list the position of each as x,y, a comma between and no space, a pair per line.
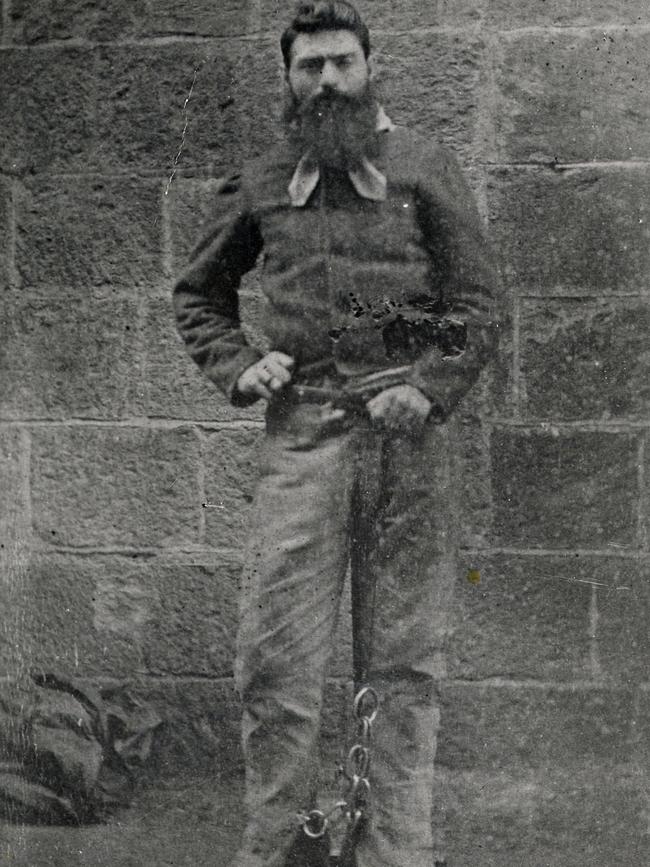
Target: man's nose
329,76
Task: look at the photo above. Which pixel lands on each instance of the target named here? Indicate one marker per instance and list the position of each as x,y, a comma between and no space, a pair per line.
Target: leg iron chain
354,775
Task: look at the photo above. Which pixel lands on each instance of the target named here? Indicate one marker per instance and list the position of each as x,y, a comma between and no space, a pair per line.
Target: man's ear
372,71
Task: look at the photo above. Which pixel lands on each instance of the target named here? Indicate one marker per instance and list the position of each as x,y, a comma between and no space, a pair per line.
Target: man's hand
266,376
402,408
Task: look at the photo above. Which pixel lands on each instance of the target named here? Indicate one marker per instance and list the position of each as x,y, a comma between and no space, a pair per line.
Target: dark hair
324,15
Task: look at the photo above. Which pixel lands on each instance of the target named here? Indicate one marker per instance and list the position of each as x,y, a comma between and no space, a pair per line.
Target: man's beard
337,130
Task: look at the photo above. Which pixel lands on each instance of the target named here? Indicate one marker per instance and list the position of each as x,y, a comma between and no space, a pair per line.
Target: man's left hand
402,409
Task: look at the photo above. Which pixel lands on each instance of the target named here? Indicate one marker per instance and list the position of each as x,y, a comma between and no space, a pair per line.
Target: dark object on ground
309,853
68,752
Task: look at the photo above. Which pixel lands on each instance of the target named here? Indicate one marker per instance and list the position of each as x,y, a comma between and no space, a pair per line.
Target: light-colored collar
367,180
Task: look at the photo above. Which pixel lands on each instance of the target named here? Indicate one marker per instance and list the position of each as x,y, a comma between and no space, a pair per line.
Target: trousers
334,494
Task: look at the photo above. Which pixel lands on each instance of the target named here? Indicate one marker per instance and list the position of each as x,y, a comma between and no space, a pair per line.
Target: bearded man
379,294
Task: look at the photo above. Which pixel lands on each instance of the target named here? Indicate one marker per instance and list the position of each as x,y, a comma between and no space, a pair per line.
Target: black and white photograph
324,433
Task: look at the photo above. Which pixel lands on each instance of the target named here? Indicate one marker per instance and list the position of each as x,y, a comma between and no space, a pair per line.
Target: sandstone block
572,97
449,13
430,82
500,823
645,516
46,109
125,616
194,622
231,471
63,359
13,488
623,639
578,815
505,14
186,105
382,15
88,235
202,18
172,385
45,20
563,490
66,620
524,617
596,814
6,234
586,360
576,232
115,486
641,725
515,726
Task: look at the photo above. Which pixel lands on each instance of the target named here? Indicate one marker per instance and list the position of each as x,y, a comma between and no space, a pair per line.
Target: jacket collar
367,180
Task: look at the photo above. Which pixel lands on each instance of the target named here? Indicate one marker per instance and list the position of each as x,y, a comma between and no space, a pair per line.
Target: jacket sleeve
205,296
465,284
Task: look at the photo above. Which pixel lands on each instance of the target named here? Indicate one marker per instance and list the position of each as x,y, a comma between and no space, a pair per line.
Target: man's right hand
266,376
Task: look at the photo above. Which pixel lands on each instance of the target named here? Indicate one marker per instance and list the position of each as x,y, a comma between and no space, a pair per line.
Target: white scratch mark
184,132
595,583
585,581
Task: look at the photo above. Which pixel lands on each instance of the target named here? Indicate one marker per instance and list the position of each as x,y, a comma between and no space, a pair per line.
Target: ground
188,824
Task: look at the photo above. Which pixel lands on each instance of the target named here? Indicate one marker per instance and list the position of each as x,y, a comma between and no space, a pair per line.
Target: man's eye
311,65
343,62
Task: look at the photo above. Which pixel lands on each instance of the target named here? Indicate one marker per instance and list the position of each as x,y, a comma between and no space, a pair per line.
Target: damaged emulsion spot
408,334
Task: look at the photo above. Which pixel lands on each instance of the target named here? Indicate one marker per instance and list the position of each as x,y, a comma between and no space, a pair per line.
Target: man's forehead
325,43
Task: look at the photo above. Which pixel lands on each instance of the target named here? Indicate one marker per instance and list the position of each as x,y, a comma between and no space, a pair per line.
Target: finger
277,371
276,384
376,406
262,390
332,414
247,382
282,358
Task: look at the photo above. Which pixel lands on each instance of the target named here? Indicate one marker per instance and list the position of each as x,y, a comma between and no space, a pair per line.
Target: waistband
321,383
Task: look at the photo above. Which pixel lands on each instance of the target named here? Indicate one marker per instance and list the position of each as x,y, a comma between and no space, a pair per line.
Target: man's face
327,60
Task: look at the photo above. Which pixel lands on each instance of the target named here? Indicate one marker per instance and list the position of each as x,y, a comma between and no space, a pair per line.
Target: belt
340,398
350,396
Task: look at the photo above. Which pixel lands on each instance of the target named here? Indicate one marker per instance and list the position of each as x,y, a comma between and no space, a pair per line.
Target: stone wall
125,478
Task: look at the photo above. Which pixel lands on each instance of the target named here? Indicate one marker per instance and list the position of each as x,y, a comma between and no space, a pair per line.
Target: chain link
355,772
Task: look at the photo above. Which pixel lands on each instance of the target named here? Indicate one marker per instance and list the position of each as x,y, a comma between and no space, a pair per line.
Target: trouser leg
293,579
406,574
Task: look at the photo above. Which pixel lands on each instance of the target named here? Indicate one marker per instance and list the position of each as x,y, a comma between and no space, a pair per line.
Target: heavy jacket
367,285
